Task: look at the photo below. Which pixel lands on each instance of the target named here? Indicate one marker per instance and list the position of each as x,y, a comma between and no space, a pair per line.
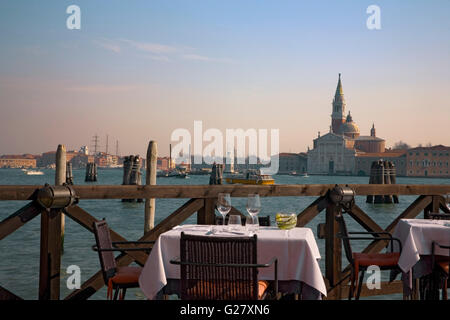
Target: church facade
336,151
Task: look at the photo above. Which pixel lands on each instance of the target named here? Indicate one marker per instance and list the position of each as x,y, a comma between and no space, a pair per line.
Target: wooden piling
387,180
69,173
150,179
91,172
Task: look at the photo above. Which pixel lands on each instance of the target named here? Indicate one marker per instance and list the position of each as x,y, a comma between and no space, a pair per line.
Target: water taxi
250,177
34,173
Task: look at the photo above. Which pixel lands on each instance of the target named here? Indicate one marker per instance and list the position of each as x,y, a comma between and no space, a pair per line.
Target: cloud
150,47
157,51
108,45
205,58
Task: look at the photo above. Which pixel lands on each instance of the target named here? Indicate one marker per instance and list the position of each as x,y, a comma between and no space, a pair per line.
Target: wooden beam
364,220
50,255
19,218
8,295
207,215
21,192
94,283
333,247
86,220
304,217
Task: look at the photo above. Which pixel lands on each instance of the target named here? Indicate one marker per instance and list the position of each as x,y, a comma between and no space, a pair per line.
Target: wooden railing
201,200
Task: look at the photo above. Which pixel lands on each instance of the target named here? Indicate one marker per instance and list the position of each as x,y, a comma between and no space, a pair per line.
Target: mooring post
52,234
150,179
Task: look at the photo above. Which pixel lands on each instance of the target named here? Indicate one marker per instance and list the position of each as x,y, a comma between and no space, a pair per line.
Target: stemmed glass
224,206
253,208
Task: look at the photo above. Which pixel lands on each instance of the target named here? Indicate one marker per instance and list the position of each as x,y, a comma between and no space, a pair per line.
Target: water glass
234,222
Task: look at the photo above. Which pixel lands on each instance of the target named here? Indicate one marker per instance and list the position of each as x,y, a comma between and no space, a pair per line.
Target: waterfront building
292,162
336,152
14,162
428,162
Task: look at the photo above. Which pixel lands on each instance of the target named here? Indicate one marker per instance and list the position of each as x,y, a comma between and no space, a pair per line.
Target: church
336,151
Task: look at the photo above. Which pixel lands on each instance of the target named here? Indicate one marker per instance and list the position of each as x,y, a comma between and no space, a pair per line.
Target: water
19,252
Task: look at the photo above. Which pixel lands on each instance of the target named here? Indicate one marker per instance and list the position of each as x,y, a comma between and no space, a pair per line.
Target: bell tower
337,116
372,131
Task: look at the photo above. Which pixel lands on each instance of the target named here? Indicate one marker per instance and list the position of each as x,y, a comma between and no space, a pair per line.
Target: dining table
296,250
416,237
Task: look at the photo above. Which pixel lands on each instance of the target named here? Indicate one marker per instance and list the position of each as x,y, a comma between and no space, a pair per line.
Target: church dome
350,128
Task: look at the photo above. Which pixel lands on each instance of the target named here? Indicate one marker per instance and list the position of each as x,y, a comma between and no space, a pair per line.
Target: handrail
26,192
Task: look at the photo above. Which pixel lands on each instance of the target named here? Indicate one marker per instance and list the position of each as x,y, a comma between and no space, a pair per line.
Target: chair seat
378,259
444,265
233,291
127,275
124,277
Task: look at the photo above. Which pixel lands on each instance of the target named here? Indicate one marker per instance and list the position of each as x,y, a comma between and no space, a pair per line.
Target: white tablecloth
296,250
416,236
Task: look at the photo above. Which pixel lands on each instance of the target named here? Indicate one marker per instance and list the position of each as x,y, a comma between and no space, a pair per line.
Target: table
296,250
416,236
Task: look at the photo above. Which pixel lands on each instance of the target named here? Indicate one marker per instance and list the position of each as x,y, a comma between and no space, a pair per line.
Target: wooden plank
333,247
20,192
50,255
94,283
206,215
364,220
304,217
19,218
8,295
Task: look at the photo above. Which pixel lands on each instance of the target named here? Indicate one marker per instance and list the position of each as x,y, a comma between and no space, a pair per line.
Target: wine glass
224,206
253,208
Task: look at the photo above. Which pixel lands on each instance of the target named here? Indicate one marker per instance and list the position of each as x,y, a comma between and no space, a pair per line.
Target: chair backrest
343,234
263,221
103,241
215,281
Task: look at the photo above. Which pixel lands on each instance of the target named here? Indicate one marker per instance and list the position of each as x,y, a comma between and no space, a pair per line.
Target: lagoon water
19,252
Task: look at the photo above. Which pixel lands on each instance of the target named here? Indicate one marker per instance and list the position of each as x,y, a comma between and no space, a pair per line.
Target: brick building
428,162
364,161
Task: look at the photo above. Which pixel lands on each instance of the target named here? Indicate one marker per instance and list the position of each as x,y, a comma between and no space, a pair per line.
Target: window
425,154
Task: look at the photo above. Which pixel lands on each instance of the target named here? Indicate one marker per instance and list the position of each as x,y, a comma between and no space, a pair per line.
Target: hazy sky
137,70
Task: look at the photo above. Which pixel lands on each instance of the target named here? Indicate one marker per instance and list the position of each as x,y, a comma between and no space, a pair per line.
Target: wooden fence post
150,179
207,215
333,247
52,234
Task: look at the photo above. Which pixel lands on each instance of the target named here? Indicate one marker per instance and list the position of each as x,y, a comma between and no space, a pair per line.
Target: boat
250,177
305,175
34,173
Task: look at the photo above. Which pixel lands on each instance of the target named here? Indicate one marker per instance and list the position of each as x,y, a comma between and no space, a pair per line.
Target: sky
138,70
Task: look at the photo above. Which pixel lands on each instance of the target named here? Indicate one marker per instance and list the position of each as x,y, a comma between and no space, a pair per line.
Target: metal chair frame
346,238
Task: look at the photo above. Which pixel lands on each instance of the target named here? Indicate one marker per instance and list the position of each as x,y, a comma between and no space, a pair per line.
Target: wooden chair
361,261
221,268
263,221
116,278
441,266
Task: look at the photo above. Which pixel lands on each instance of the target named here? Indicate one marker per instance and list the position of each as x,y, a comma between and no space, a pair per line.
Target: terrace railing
201,200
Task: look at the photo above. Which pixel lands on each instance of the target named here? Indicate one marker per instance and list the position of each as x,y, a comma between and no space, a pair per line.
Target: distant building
162,163
16,162
428,162
290,162
47,159
336,151
84,150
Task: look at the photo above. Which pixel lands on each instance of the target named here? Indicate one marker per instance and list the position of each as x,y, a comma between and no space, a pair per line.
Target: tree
401,145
